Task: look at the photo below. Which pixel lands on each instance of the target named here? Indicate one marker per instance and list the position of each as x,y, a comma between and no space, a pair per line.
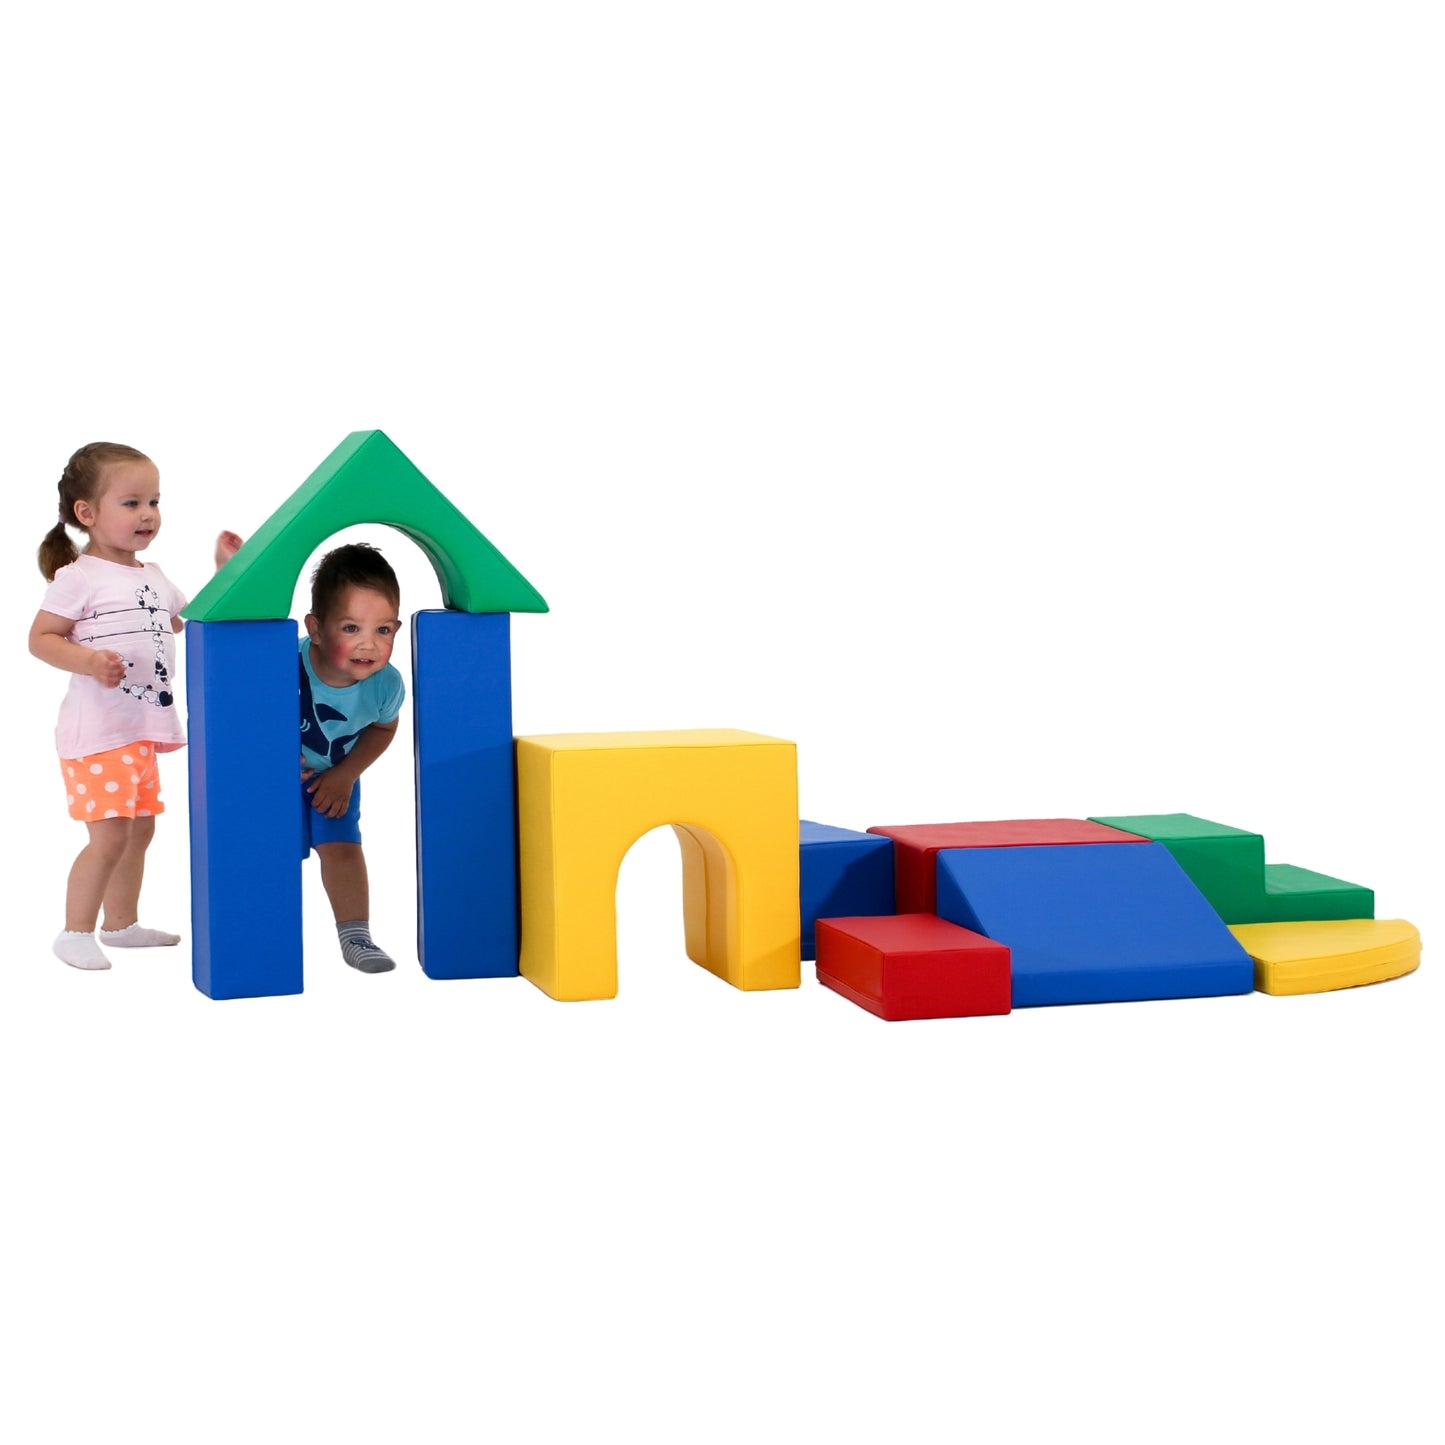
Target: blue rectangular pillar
245,777
466,806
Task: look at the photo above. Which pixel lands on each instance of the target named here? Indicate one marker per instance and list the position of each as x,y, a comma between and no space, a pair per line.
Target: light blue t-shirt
332,718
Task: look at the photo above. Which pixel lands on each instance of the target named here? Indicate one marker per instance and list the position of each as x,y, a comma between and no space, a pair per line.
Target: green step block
1227,866
1295,895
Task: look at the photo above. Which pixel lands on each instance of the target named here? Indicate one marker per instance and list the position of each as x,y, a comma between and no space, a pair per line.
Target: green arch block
368,478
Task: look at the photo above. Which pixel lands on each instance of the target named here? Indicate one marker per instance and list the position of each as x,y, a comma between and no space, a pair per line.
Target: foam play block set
913,966
519,840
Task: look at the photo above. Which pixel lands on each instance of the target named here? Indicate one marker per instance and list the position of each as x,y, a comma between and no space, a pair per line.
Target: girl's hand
107,668
306,768
227,545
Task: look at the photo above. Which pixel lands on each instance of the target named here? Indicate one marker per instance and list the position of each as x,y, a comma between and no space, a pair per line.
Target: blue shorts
318,828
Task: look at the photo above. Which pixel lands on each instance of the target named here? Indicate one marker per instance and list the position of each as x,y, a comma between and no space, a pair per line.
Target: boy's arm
372,743
331,791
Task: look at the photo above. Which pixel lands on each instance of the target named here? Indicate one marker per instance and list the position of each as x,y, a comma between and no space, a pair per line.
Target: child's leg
89,879
122,895
93,869
343,875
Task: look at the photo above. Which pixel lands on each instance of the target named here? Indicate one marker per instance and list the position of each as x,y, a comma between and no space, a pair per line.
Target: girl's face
126,517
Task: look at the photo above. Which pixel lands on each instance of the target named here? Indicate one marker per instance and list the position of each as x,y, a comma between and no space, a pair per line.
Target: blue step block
245,774
466,804
842,874
1110,923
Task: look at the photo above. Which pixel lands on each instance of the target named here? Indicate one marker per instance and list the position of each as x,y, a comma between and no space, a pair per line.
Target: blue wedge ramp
1111,923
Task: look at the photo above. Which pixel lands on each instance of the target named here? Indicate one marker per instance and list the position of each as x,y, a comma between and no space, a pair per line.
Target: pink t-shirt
128,611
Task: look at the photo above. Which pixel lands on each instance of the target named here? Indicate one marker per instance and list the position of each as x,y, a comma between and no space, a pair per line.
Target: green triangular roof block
366,479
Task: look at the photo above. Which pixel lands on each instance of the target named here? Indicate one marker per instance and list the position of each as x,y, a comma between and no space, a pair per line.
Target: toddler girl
109,619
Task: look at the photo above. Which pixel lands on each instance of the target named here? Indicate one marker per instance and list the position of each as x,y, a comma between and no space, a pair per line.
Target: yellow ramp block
583,799
1333,953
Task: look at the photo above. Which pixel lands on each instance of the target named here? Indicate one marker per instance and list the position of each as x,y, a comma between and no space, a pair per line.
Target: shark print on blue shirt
313,714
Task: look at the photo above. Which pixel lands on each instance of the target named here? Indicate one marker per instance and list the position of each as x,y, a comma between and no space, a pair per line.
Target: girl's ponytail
56,551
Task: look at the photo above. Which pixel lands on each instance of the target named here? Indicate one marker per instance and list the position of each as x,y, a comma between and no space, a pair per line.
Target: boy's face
355,641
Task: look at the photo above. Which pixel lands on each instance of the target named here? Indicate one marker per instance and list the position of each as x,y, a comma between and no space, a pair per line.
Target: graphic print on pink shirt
147,619
128,611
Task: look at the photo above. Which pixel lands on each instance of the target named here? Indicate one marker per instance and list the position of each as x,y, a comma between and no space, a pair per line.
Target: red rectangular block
913,966
914,846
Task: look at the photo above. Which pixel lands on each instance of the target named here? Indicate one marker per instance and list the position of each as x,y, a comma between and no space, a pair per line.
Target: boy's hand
107,668
227,545
330,794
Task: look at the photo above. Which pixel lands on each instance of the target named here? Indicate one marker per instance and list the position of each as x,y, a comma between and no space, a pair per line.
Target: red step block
913,966
914,844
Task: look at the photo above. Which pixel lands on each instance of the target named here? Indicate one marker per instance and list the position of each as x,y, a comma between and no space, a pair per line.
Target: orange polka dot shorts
123,783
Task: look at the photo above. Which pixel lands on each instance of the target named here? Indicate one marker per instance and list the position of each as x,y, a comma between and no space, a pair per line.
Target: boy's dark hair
81,481
358,564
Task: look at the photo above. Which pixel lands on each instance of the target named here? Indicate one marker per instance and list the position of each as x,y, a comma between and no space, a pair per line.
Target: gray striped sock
358,949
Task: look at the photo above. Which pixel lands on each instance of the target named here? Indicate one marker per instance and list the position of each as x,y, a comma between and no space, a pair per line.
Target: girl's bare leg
122,896
122,892
91,873
89,882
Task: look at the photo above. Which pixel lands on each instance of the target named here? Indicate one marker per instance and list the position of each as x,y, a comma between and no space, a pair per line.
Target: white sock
79,950
137,937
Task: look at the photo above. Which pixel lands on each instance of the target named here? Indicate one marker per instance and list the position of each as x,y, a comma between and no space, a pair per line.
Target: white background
1033,410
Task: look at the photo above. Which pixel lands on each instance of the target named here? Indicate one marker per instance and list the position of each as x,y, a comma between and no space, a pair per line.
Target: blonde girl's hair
81,481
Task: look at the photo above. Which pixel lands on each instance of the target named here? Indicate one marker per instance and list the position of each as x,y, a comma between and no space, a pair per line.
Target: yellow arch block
583,799
1332,953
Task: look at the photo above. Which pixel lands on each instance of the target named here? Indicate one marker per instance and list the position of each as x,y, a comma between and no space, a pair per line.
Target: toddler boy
351,699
